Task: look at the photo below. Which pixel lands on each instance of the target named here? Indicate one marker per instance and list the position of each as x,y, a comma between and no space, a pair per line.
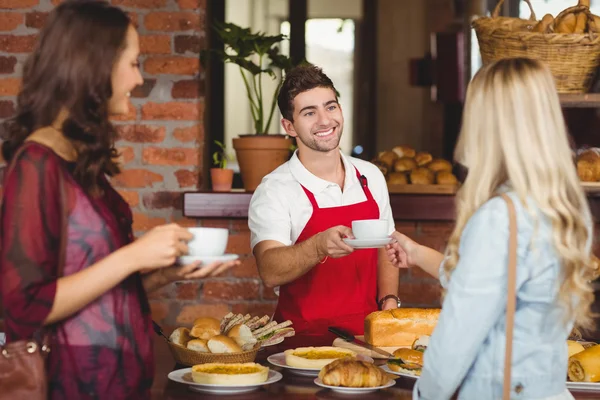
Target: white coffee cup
208,242
370,229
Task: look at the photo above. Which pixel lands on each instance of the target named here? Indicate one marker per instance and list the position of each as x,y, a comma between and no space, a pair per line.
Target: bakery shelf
582,100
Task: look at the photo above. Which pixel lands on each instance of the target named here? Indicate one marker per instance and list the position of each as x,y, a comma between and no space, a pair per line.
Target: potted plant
221,176
257,56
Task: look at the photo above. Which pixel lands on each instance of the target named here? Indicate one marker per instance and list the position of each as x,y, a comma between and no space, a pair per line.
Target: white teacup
208,242
370,229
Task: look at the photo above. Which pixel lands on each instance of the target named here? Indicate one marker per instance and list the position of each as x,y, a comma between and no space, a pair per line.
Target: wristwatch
389,296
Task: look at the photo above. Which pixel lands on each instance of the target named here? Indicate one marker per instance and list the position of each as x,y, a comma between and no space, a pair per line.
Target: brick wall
161,145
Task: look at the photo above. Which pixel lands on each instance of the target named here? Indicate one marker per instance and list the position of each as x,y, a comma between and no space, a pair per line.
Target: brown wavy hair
70,69
298,80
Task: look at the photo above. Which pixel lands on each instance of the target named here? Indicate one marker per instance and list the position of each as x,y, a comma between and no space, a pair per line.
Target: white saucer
185,376
184,260
354,390
404,374
367,243
584,386
279,361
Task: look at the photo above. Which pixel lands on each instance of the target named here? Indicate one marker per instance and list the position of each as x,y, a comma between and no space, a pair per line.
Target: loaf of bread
399,327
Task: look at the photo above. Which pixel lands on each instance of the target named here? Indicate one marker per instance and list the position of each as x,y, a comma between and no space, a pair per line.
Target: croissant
350,372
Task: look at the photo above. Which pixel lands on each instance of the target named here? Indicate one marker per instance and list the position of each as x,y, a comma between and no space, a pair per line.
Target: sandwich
230,374
406,360
316,357
273,332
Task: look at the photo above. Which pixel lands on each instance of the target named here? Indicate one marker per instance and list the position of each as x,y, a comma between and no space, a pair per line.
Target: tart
230,374
315,357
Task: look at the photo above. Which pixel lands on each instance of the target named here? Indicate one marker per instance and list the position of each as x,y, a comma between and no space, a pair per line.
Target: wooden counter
405,207
291,387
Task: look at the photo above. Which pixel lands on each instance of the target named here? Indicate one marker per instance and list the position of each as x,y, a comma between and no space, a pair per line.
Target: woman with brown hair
69,264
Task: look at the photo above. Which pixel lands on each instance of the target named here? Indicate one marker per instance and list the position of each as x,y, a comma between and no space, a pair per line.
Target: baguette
399,327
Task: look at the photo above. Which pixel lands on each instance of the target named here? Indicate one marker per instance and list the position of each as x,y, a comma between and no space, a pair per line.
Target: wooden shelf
587,100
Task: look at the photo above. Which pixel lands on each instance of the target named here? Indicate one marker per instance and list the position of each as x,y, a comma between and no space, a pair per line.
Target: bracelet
323,261
386,297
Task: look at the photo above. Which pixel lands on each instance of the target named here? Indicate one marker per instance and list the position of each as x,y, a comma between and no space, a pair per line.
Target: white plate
367,243
281,339
279,361
587,386
184,260
404,374
185,376
354,390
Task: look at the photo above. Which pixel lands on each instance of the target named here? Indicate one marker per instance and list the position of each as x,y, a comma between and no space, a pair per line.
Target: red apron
341,291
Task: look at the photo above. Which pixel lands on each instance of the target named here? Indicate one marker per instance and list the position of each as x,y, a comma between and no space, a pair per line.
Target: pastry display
348,372
403,165
588,165
400,326
230,374
315,357
584,366
233,333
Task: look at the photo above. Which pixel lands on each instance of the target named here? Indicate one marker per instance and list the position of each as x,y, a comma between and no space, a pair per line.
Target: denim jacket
466,350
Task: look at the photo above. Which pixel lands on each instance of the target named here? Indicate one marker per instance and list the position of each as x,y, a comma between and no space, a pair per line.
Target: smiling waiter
301,212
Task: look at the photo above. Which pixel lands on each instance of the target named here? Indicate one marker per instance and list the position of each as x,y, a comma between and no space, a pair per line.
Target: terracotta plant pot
221,179
259,155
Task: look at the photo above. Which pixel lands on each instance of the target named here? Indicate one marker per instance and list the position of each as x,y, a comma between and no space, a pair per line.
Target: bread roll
353,373
585,366
397,178
446,178
586,170
383,167
409,355
404,151
180,336
223,344
199,345
205,328
242,335
405,164
422,176
400,326
230,374
544,25
423,158
439,164
388,158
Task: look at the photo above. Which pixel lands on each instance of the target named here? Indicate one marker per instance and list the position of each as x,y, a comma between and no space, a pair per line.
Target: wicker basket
185,356
572,58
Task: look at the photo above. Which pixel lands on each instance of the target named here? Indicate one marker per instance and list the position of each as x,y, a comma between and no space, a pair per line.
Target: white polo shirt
279,209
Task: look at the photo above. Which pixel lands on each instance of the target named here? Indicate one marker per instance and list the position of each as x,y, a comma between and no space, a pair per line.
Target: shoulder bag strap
511,298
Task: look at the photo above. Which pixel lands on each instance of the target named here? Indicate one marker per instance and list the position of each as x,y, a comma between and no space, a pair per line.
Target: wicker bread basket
572,57
185,356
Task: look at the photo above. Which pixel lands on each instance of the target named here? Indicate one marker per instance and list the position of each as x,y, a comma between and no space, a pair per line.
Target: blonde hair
513,131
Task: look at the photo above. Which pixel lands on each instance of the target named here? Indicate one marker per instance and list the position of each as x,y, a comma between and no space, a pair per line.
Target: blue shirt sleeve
474,301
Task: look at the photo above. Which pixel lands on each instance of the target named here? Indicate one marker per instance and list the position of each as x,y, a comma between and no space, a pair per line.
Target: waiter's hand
401,251
330,243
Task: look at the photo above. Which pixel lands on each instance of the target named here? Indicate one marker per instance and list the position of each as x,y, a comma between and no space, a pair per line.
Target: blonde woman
513,141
